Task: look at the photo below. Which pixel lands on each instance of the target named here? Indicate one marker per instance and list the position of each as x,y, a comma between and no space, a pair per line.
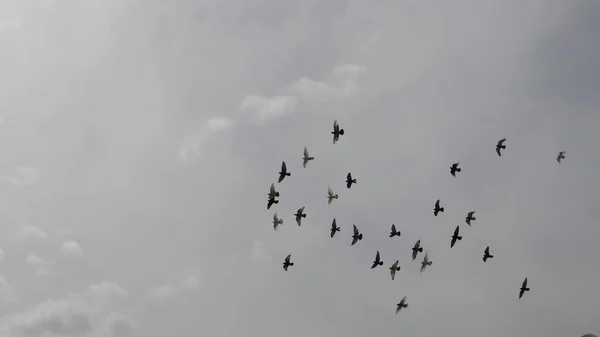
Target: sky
138,141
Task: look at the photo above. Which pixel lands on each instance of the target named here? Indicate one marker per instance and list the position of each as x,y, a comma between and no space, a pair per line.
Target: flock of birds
357,235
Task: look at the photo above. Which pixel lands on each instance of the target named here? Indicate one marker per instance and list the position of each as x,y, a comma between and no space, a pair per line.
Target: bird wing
272,189
426,258
301,209
275,217
403,300
417,244
524,283
470,214
283,167
333,224
423,266
394,228
437,203
377,258
501,141
287,258
298,219
487,250
329,192
306,152
349,176
456,231
355,230
336,127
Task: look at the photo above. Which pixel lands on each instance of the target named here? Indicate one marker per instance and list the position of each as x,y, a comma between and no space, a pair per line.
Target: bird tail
490,256
380,263
405,305
310,158
526,289
304,215
291,264
459,238
337,229
392,235
473,219
336,196
503,146
442,209
397,268
420,249
276,194
288,174
360,236
458,169
354,181
341,132
275,201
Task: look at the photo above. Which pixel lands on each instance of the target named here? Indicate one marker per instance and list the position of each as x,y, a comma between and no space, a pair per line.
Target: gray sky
139,138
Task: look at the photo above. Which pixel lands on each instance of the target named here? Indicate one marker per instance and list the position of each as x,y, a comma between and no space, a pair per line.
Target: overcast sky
138,140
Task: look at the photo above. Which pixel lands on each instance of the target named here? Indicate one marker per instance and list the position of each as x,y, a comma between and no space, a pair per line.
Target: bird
334,228
394,232
283,172
454,168
561,156
272,192
416,249
393,269
277,221
349,180
271,201
500,146
523,288
330,195
306,158
455,237
377,261
486,254
470,218
356,236
287,262
402,304
437,208
426,262
337,132
300,214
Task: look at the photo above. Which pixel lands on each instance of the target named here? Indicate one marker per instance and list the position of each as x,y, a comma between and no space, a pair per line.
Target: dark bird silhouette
330,195
426,262
401,305
454,168
287,262
500,146
486,254
455,237
283,172
523,288
416,249
394,232
271,201
299,215
437,208
334,228
277,221
393,269
356,236
561,156
337,132
349,180
470,218
377,261
306,158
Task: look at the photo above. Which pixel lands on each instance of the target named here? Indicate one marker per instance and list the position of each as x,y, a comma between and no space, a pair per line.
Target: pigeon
277,221
486,254
416,249
437,208
500,146
455,237
426,262
393,269
330,195
394,232
271,201
349,180
401,305
356,236
454,168
561,156
334,228
272,192
523,288
283,172
337,132
377,261
306,158
470,218
299,215
287,262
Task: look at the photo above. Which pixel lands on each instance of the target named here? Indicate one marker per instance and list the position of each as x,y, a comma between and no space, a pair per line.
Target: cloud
167,291
268,109
41,265
71,248
210,133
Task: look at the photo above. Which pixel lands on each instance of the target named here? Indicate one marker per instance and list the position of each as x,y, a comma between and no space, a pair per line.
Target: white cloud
71,248
41,265
29,231
220,123
267,110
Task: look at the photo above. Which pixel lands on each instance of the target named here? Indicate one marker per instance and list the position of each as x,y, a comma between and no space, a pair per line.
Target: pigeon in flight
394,232
337,132
426,262
393,269
349,180
523,288
356,236
334,228
283,172
437,208
330,195
455,237
486,254
306,158
470,218
454,168
277,221
287,262
272,194
377,261
561,156
299,215
416,249
402,304
500,146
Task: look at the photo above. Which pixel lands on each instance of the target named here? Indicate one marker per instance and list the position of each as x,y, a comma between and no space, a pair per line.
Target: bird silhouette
287,263
356,236
394,232
377,261
349,180
330,195
334,228
401,305
500,146
486,254
271,201
561,156
393,269
299,215
337,132
523,288
426,262
306,158
277,221
437,208
455,237
454,168
470,218
416,249
283,172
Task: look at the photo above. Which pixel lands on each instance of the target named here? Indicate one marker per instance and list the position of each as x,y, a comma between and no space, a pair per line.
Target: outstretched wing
487,250
301,210
349,176
272,189
456,231
377,258
524,283
394,229
287,258
275,217
355,230
470,214
336,127
437,204
306,152
329,192
283,167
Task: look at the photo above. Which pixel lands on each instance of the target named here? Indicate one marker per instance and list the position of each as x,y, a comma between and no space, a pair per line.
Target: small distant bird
470,218
349,180
454,168
500,146
393,269
377,261
287,262
277,221
356,236
299,215
283,172
486,254
337,132
523,288
416,249
455,237
402,304
330,195
437,208
426,262
306,158
271,201
561,156
272,192
394,232
334,228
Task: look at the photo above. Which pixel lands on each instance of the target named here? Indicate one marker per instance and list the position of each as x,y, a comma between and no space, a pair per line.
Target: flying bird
393,269
306,158
300,214
402,304
356,236
394,232
287,262
500,146
349,180
470,218
426,262
437,208
334,228
337,132
454,168
271,201
283,172
377,261
486,254
416,249
523,288
561,156
330,195
277,221
455,237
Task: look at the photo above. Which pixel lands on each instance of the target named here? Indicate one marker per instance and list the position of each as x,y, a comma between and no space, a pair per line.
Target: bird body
454,168
455,237
426,262
306,158
283,173
287,263
299,215
337,132
437,208
416,249
561,156
330,196
377,261
350,180
500,145
523,288
356,235
393,269
486,254
401,305
470,218
277,221
334,228
394,232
